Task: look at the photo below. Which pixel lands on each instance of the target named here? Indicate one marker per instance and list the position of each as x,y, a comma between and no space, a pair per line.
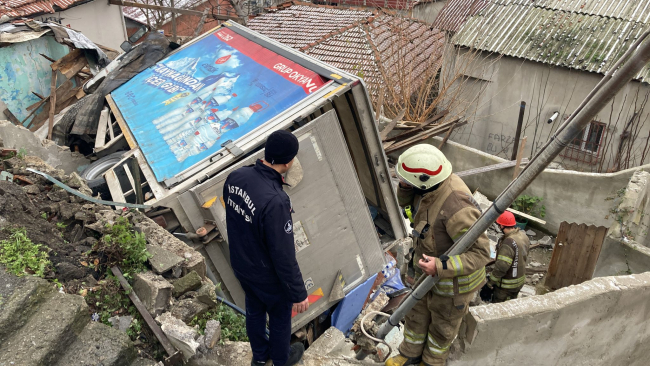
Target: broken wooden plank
70,64
11,117
63,100
384,133
120,121
38,95
444,140
483,169
47,57
526,216
102,126
420,127
52,104
520,154
424,135
80,94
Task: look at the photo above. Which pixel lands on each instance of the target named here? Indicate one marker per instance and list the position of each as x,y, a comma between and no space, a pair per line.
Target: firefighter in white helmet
441,209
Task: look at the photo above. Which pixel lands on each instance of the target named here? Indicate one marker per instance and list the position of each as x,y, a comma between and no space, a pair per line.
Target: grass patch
20,255
233,324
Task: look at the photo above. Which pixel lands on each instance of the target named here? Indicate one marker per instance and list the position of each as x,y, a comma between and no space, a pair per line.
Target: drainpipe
595,101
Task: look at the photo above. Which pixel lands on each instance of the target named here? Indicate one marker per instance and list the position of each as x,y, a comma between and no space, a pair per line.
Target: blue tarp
350,307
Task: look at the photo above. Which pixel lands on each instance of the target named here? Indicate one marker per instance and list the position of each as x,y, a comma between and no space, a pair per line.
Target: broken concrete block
212,333
154,292
535,264
32,189
527,291
535,278
162,260
187,309
530,233
326,343
207,294
68,210
180,335
546,241
121,322
57,195
189,282
75,181
201,341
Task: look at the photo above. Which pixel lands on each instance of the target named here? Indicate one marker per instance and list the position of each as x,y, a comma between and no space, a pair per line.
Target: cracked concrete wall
59,157
626,247
599,322
568,195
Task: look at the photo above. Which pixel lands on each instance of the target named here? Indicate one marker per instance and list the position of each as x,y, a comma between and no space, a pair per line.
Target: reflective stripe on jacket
510,267
450,210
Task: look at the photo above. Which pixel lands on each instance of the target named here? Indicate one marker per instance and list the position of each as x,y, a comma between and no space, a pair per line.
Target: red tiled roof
17,8
361,42
456,12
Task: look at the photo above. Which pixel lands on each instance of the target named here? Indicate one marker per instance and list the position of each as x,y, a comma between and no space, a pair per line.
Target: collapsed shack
46,67
73,243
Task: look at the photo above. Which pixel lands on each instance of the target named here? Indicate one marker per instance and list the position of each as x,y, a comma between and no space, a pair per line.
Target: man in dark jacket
262,251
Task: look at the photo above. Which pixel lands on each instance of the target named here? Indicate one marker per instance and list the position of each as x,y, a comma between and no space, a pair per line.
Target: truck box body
207,109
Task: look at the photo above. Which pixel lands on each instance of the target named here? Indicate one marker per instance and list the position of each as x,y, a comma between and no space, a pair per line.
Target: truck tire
93,174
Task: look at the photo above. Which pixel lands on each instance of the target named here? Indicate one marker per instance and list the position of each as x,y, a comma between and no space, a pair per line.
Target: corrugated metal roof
557,37
456,12
634,10
358,41
17,8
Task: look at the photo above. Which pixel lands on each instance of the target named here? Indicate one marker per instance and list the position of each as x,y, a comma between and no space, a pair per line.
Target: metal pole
520,122
592,106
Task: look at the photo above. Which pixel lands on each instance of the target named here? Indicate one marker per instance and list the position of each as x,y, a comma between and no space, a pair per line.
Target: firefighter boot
400,360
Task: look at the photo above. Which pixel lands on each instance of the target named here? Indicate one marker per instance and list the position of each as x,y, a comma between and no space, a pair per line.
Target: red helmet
507,219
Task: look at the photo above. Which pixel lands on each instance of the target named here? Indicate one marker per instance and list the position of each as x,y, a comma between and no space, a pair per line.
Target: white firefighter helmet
423,166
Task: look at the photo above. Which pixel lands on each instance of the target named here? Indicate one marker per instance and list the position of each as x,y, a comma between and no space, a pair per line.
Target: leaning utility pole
603,93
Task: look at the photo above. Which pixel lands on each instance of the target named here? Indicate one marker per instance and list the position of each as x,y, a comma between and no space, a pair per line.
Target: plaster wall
428,11
599,322
492,90
568,195
100,22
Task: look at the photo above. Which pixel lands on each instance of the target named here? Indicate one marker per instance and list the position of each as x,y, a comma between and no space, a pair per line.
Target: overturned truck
207,108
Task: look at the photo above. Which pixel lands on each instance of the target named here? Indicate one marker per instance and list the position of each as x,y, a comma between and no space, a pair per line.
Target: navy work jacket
260,230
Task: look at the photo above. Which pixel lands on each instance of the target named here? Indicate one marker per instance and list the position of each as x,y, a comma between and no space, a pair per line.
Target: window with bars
587,147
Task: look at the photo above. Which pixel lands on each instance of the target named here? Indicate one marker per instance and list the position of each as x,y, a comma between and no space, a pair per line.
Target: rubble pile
75,232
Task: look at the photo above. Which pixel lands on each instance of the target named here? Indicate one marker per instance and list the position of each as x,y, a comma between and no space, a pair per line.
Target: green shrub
124,247
233,324
19,254
530,205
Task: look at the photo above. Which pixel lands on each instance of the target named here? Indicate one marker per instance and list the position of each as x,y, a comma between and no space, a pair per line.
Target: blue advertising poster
217,89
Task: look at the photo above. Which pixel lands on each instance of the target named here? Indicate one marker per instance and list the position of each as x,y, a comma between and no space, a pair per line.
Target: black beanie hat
281,147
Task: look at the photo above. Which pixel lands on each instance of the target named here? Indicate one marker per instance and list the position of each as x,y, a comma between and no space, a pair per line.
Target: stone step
99,344
19,299
48,333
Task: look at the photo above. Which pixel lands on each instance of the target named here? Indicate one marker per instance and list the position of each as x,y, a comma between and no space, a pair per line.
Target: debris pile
80,241
415,132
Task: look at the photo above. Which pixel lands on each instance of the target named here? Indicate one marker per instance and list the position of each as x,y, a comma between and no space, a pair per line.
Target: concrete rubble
182,336
154,291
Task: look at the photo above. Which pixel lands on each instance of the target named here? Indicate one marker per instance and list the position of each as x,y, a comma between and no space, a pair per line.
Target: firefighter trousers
432,325
501,294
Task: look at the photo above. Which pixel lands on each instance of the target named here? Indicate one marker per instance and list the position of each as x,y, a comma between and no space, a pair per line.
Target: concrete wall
568,195
494,86
428,11
626,248
97,20
599,322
